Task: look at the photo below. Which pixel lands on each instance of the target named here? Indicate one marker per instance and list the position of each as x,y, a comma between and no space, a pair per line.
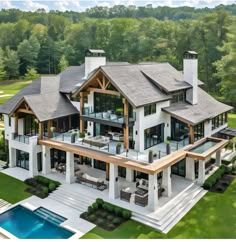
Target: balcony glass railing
21,138
108,115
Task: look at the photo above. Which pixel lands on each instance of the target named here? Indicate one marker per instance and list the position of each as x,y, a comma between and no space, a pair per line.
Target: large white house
139,123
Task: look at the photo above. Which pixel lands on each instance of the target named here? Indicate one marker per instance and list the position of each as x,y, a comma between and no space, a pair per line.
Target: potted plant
73,136
118,148
168,145
150,156
81,135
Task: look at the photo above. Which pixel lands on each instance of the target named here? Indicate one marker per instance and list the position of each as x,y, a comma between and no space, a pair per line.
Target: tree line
47,43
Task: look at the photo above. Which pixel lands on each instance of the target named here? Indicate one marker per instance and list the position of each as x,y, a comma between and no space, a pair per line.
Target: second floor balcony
115,118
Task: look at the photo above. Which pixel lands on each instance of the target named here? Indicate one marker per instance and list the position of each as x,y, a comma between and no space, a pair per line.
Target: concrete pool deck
73,223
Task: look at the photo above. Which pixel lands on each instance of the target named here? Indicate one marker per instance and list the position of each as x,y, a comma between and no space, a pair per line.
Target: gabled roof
131,82
206,108
50,105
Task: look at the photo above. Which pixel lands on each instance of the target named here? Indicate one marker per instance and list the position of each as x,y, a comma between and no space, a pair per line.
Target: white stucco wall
21,126
207,128
144,122
8,129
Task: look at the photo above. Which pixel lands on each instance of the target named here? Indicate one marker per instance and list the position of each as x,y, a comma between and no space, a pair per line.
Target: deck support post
129,175
201,172
113,182
152,192
70,168
126,128
46,160
166,181
218,157
190,169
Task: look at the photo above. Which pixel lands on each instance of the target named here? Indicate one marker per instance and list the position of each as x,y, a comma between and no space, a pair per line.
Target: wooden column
107,171
49,129
40,130
191,132
126,127
16,124
81,112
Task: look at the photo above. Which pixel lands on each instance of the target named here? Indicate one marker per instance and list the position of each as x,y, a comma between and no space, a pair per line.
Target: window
178,97
179,130
219,121
199,131
9,121
150,109
153,136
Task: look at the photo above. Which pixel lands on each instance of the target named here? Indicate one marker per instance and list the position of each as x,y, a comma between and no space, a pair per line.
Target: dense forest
46,43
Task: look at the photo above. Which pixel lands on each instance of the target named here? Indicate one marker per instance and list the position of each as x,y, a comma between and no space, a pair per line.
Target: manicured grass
11,189
11,87
212,217
232,120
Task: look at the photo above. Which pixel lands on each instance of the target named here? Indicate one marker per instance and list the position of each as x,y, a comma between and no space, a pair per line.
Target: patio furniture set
140,196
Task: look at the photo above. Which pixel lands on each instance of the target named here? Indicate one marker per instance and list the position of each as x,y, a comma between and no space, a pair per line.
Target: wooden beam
107,84
126,128
191,132
103,82
81,112
40,130
49,129
22,110
92,89
100,84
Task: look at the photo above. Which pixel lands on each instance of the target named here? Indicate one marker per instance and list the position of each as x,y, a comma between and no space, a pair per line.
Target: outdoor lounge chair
125,194
84,178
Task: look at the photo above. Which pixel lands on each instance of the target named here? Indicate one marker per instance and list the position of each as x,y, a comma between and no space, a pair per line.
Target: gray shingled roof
207,108
33,88
50,105
165,76
131,82
70,77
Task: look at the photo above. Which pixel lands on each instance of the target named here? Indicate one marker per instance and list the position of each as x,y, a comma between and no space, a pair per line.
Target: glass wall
179,168
22,159
100,165
31,125
199,131
153,136
107,102
179,130
219,120
57,156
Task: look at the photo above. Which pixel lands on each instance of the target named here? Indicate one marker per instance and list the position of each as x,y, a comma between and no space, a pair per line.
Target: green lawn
11,189
232,120
11,87
213,216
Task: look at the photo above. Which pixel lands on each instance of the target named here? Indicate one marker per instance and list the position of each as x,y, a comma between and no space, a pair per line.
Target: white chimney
191,76
94,59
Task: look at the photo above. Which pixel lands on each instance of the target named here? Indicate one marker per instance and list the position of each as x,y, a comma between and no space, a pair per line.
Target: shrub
110,226
30,182
110,217
110,208
207,185
45,190
126,214
43,180
118,211
228,169
52,186
104,214
116,221
90,209
100,221
95,206
84,215
92,218
99,202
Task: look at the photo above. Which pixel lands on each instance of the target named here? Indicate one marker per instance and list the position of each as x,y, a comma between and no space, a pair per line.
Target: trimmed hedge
211,181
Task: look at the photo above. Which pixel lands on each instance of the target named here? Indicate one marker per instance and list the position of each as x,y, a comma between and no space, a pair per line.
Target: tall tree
12,63
63,63
2,66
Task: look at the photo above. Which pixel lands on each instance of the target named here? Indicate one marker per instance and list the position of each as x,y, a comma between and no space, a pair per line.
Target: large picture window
153,136
31,125
150,109
219,120
199,131
179,130
22,159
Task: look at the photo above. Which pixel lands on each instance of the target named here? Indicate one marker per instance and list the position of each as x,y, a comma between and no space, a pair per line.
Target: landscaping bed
222,184
106,215
41,186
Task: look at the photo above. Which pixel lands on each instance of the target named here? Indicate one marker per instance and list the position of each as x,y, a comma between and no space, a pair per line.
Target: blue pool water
25,224
201,148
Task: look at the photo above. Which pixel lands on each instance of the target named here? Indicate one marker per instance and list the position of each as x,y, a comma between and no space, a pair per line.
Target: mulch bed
222,184
103,219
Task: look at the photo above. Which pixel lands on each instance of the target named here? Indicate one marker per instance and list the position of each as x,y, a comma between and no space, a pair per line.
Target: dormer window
178,97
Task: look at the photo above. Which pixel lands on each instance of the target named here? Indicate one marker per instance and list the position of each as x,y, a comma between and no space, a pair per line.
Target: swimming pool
201,148
25,224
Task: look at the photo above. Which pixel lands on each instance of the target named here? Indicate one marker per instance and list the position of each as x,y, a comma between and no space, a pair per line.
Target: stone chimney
191,76
94,59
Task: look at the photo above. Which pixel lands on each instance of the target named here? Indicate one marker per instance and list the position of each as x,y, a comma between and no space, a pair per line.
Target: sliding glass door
153,136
